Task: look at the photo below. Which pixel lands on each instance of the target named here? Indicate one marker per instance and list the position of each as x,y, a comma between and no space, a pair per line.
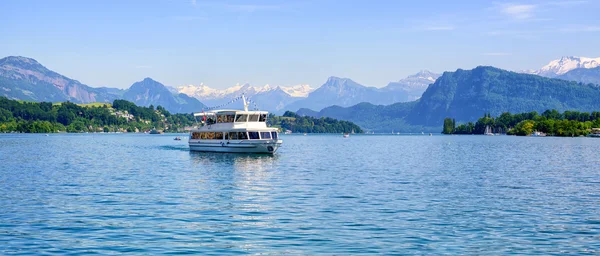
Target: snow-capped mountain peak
204,92
423,75
565,64
301,90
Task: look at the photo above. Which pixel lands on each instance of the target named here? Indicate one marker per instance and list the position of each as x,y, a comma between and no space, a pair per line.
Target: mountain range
345,92
415,103
468,94
26,79
271,98
335,91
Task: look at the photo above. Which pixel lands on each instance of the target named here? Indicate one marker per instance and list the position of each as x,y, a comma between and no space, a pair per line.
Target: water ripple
141,194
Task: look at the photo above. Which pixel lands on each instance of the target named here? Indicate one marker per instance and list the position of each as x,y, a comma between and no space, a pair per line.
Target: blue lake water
320,194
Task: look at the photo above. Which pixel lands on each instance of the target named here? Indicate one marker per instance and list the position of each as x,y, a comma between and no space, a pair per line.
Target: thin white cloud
580,28
251,7
497,54
188,18
439,28
566,3
518,11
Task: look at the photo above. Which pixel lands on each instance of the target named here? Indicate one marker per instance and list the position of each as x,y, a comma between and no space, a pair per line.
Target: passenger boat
234,131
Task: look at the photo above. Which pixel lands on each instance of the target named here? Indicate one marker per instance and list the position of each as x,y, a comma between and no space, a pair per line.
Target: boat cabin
232,117
234,125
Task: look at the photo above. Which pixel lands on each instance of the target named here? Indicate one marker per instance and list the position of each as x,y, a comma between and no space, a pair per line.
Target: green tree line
306,124
45,117
550,122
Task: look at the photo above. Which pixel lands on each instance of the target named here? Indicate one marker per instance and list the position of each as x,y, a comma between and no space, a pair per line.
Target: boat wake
176,148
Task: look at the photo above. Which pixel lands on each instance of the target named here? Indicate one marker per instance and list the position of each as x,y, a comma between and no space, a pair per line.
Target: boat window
241,118
274,135
233,136
195,135
263,118
242,136
218,135
253,118
210,136
230,118
253,135
203,135
221,118
210,120
265,135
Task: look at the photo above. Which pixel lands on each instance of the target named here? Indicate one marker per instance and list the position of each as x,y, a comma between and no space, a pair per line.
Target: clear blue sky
220,43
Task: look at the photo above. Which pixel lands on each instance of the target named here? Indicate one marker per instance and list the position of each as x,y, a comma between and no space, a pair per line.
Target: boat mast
245,103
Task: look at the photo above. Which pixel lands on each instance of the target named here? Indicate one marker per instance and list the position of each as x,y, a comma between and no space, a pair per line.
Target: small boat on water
538,134
595,133
154,131
488,131
177,138
234,131
346,135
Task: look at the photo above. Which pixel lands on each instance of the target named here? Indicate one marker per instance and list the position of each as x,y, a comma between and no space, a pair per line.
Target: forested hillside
121,115
305,124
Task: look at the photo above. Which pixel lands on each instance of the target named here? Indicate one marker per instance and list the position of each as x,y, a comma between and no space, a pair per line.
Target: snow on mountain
417,81
301,90
412,87
565,64
202,91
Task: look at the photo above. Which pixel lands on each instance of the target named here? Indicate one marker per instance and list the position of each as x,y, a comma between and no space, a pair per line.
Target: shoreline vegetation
120,116
549,123
295,123
124,116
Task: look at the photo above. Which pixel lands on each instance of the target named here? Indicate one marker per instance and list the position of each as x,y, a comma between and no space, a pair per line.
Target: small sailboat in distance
488,131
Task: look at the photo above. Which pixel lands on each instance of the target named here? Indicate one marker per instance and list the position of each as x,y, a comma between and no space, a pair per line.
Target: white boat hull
245,146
